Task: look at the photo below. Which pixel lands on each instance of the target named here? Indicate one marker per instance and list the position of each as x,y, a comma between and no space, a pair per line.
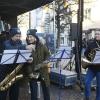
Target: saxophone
17,74
10,79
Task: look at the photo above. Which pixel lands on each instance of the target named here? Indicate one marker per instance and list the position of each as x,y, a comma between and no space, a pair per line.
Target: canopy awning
17,7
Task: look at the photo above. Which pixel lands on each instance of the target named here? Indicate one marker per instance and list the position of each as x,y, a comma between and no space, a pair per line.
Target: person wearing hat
40,54
14,42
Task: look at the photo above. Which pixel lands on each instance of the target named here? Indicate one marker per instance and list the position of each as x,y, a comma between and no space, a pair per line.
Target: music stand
15,56
11,57
62,53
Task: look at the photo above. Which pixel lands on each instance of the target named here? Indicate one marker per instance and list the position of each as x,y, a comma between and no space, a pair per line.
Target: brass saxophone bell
10,79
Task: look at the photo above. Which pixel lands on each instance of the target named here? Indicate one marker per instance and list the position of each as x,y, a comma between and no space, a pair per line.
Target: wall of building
91,14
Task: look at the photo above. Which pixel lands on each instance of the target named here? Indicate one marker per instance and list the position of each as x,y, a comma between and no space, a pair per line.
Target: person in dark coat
93,70
40,54
14,42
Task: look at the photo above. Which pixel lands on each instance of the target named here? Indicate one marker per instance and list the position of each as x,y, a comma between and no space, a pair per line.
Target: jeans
13,90
89,77
33,88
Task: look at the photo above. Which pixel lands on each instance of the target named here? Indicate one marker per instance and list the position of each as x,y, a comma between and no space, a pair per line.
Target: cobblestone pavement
66,93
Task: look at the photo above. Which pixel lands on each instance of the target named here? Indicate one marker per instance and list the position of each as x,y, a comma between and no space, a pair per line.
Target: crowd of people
39,54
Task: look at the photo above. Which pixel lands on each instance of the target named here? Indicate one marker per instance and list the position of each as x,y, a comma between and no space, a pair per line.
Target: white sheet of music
97,58
25,55
8,56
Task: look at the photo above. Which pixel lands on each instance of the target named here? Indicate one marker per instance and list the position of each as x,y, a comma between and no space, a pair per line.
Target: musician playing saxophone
92,71
13,43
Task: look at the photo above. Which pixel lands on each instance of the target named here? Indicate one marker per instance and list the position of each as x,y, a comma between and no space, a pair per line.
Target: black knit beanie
31,32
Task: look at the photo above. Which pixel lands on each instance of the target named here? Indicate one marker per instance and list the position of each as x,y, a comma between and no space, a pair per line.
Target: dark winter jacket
39,55
9,44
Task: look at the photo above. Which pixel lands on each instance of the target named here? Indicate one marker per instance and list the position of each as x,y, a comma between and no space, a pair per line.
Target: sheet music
8,56
97,58
61,55
25,55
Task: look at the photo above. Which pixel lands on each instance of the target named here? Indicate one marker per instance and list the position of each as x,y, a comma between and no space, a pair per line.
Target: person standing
14,42
40,53
93,71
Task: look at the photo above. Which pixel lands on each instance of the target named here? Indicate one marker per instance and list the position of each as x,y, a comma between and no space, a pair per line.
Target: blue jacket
9,44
